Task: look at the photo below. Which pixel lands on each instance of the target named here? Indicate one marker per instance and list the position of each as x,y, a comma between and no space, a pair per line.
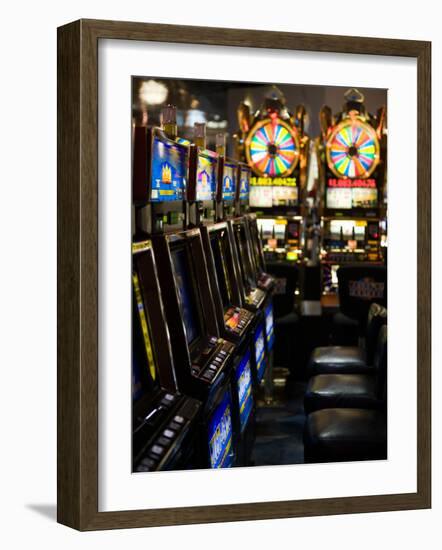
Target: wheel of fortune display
272,148
353,149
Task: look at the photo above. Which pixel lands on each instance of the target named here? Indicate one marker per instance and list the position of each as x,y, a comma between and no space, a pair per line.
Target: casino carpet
279,425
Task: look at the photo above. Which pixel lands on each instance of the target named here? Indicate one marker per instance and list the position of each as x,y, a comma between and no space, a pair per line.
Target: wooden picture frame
78,274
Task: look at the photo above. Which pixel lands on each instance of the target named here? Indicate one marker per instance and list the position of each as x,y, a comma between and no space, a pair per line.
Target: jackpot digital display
206,178
186,294
270,334
244,385
229,181
260,361
169,171
220,434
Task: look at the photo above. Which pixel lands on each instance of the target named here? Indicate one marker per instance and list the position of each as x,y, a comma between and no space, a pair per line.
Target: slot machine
274,144
203,359
352,155
257,300
165,422
235,323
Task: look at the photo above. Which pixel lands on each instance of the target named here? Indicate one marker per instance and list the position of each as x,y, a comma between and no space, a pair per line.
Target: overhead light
153,92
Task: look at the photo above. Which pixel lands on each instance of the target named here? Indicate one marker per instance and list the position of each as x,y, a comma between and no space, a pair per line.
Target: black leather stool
365,391
335,435
350,359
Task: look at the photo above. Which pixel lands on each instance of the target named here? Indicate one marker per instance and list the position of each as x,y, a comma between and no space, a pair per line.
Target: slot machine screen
265,227
244,385
186,294
260,360
143,359
261,196
280,228
229,181
270,334
349,228
217,243
256,246
284,196
339,198
364,197
169,170
220,434
206,178
244,259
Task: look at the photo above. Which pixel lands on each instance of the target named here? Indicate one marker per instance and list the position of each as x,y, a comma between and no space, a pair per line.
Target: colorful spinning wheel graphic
353,149
272,148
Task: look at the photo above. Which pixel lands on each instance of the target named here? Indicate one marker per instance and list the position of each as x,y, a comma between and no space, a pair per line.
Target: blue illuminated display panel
206,178
220,435
169,171
270,334
245,395
244,184
229,182
260,360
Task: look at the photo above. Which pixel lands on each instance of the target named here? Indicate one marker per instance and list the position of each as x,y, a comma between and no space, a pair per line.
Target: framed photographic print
243,275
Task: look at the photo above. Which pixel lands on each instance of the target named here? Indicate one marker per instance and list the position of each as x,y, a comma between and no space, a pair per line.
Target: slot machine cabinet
257,300
203,358
234,320
201,196
276,147
353,153
160,179
253,297
237,325
165,422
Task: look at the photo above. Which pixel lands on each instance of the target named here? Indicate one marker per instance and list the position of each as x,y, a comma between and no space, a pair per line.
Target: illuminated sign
273,182
206,178
220,435
260,361
229,182
244,184
366,288
270,335
245,395
357,182
169,171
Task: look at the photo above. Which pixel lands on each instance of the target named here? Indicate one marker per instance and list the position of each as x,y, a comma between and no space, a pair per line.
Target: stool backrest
377,316
359,287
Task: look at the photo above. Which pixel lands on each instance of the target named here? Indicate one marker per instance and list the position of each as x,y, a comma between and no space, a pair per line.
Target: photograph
259,274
